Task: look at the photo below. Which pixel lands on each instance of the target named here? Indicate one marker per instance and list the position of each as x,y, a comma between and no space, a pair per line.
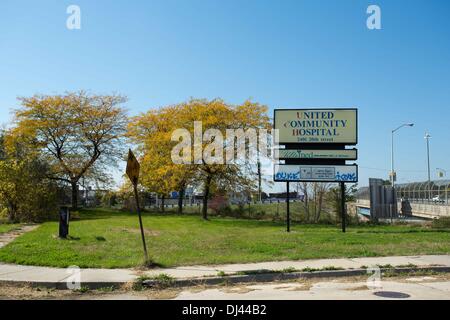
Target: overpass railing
433,192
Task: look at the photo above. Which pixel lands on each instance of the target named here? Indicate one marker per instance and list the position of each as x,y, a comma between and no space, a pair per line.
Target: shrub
217,203
441,223
25,191
109,199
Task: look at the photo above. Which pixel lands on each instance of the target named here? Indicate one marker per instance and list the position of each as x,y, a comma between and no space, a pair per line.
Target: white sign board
315,173
336,126
347,154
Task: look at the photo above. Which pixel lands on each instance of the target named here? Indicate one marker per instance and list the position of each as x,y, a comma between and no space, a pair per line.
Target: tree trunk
259,181
74,196
163,197
205,197
319,207
12,213
304,188
180,200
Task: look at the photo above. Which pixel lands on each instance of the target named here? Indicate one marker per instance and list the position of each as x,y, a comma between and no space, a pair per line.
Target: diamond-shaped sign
133,168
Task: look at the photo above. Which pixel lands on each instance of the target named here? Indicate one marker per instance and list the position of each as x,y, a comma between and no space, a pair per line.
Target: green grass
8,227
111,239
259,211
272,211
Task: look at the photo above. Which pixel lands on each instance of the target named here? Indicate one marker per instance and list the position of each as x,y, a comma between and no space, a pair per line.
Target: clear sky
290,54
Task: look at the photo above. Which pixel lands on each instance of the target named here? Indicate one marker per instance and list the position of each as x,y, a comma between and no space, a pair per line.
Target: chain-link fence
433,192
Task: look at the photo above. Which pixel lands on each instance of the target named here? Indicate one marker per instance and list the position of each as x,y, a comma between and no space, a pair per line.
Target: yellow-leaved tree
78,133
151,132
154,132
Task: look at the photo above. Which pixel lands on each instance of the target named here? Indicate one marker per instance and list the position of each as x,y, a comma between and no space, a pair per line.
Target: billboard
334,126
345,154
315,173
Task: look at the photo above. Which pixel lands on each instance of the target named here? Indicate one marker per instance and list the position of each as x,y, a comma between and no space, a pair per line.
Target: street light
441,172
392,151
427,137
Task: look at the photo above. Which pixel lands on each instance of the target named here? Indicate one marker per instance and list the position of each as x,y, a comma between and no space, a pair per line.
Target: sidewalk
106,277
8,237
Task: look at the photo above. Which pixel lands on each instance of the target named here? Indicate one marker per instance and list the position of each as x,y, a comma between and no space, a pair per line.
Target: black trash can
63,222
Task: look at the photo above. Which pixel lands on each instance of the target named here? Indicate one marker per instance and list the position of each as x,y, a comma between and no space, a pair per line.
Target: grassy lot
267,211
110,239
8,227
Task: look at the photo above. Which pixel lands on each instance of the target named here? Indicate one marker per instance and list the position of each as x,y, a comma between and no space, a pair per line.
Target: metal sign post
288,218
132,171
343,205
63,222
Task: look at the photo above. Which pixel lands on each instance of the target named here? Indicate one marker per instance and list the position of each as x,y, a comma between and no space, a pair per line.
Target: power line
387,170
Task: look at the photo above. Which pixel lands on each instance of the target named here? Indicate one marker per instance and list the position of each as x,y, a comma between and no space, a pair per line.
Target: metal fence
433,192
436,192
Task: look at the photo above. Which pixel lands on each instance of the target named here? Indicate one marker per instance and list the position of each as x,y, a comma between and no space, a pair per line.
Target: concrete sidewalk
8,237
59,276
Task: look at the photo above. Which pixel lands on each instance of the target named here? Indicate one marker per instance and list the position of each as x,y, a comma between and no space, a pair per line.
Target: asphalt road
436,287
408,288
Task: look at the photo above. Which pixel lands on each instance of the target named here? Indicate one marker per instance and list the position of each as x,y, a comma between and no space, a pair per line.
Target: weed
221,273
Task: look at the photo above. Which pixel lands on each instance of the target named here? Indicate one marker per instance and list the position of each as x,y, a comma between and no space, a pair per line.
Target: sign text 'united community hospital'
317,126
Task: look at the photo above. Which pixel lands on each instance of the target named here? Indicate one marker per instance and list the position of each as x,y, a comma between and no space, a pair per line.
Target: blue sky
290,54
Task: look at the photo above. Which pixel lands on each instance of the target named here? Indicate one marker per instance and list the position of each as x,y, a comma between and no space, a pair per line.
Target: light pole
427,137
392,151
441,172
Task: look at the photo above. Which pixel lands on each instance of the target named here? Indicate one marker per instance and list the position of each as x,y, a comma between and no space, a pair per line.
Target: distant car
437,199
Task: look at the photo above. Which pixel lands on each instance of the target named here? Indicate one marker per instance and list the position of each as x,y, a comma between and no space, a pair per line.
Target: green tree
25,191
334,196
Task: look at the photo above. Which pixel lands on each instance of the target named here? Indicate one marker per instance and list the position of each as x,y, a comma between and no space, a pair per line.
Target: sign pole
343,205
132,171
288,218
138,208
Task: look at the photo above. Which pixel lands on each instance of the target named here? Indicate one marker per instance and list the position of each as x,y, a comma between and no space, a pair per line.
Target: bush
441,223
26,193
109,199
25,197
217,204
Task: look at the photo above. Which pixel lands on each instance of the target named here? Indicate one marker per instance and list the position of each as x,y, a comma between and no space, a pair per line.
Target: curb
92,285
275,276
228,279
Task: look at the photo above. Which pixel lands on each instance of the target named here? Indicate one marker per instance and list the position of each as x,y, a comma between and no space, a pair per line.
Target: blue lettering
288,176
345,176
